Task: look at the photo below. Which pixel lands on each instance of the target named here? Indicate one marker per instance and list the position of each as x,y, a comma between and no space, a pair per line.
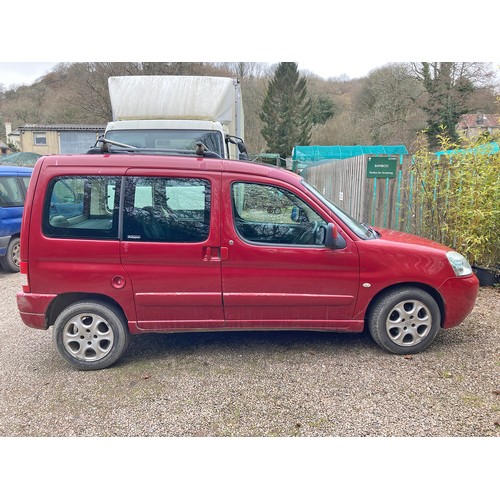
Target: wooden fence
381,202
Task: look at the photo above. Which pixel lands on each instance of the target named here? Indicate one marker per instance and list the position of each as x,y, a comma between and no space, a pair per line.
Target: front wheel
90,335
404,320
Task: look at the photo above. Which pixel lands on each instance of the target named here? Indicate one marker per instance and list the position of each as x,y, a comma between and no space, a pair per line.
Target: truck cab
174,136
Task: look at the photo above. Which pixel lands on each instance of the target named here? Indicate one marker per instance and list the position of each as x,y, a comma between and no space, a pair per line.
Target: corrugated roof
36,127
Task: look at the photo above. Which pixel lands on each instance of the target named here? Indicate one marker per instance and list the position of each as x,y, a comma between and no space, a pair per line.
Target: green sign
381,166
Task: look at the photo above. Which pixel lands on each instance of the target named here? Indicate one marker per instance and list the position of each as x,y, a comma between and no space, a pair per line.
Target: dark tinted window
166,209
82,207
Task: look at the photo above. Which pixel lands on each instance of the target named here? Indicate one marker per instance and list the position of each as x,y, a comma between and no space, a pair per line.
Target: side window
268,214
25,180
166,209
82,207
11,194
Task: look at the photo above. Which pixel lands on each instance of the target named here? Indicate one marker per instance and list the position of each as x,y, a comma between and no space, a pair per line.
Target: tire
404,320
90,335
10,262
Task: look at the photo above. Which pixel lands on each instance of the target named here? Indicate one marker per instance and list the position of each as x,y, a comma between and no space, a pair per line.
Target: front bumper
459,296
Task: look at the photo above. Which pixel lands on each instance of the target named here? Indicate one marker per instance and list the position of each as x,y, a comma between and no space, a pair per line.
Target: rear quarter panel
62,265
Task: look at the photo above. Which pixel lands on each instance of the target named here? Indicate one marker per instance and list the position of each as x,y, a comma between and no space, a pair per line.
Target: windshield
168,139
360,229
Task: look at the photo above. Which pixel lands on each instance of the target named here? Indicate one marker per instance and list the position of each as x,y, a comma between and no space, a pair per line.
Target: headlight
459,264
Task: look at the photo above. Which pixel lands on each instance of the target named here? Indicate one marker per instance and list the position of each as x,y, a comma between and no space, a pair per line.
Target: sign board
381,166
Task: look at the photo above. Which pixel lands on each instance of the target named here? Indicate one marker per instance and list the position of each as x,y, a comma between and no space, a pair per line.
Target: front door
278,272
171,249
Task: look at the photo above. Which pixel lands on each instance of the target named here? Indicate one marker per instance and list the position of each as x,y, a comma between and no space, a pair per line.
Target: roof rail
103,146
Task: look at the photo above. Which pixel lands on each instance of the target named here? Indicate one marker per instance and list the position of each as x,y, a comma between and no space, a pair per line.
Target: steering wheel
308,235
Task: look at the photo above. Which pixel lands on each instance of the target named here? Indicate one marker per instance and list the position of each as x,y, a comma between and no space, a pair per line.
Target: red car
120,244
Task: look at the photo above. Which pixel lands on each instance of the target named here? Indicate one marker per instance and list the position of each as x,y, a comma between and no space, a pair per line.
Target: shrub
459,199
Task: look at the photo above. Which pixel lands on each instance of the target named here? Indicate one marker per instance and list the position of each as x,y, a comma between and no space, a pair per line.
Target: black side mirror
242,149
333,238
243,154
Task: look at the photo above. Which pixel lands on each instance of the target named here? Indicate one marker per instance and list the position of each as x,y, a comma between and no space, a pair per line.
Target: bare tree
389,104
245,70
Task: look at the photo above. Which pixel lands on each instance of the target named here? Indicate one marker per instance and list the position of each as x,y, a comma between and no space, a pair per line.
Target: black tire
404,320
10,262
91,335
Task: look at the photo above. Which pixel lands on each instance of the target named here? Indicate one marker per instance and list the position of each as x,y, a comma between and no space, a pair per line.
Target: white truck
178,114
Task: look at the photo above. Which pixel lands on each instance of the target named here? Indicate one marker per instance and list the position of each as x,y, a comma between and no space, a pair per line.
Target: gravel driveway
254,384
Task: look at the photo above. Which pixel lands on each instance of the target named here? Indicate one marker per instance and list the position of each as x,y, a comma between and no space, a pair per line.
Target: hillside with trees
388,106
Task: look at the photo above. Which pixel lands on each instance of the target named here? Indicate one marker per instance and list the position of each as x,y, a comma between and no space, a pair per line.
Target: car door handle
215,253
224,253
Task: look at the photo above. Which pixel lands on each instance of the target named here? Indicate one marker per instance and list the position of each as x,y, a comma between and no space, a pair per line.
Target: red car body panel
418,261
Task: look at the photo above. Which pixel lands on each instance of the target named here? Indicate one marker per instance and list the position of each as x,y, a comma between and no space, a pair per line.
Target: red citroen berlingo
119,244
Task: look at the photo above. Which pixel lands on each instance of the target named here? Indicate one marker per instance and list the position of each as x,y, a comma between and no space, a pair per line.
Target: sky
18,73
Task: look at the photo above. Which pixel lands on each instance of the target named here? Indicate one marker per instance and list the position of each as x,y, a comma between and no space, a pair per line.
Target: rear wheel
90,335
10,262
404,320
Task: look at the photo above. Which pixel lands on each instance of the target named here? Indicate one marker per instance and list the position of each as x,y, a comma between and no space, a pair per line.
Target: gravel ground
254,384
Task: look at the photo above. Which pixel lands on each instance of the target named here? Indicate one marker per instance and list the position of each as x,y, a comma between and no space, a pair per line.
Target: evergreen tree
286,111
323,109
449,87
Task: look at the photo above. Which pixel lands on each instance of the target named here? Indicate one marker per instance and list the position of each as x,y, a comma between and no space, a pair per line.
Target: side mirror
333,238
242,149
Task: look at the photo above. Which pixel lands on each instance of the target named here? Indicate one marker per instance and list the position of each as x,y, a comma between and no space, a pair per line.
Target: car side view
120,244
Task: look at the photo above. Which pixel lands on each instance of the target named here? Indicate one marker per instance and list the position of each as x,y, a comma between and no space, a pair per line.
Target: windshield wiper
370,229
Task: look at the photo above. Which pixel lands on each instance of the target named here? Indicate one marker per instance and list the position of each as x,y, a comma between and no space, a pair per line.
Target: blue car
13,185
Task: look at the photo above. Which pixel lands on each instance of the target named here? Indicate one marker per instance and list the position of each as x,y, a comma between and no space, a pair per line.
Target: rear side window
82,207
166,209
11,193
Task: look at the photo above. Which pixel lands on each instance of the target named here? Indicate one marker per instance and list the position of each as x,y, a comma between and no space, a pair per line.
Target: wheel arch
410,284
64,300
